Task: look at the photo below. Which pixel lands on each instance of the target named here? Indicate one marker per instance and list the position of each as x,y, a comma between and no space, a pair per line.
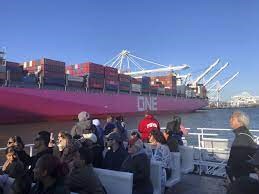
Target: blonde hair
242,118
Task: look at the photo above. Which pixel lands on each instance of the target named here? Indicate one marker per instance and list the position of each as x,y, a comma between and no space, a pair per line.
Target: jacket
56,188
114,160
146,125
242,149
84,181
139,165
172,144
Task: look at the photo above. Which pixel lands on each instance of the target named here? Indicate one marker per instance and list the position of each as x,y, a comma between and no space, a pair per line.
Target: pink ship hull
26,105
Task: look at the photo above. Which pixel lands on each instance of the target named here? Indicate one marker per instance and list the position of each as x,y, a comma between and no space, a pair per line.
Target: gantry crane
119,62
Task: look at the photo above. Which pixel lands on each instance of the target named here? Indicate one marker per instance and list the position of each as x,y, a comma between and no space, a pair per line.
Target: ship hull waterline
32,105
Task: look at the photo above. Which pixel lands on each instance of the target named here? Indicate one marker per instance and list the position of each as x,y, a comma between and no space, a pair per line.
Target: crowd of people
67,164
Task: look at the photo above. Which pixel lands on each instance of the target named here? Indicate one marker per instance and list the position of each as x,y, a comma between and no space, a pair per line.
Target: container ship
46,89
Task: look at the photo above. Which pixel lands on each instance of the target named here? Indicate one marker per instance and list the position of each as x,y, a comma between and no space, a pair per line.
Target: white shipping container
188,93
25,65
135,87
75,78
199,90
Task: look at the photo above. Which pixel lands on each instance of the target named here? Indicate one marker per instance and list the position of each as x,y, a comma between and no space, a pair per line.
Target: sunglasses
110,139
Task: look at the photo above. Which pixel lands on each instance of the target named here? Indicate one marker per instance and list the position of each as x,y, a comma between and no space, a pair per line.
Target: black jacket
242,149
139,165
172,143
114,160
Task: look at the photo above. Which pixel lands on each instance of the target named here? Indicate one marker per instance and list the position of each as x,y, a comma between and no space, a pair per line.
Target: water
214,118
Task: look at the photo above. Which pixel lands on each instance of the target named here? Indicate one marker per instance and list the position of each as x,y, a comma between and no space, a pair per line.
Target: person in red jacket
146,125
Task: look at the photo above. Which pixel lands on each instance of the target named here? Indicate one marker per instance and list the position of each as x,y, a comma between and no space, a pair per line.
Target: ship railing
212,149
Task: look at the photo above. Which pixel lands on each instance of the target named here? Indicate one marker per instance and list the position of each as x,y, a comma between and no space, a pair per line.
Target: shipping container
2,69
110,72
29,79
2,75
54,81
111,87
153,89
124,78
94,83
75,84
135,87
135,81
168,81
75,78
161,90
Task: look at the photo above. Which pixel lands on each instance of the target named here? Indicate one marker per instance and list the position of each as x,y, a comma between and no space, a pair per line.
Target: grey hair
242,118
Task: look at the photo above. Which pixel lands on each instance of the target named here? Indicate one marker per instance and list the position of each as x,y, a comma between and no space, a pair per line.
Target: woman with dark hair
49,175
175,127
66,147
17,143
15,169
160,152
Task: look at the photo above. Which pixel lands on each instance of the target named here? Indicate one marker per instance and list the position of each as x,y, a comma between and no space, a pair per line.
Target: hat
255,160
96,122
82,116
90,136
136,142
114,136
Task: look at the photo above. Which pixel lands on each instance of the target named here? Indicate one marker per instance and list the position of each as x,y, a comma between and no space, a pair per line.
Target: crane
223,86
131,60
217,73
184,78
206,72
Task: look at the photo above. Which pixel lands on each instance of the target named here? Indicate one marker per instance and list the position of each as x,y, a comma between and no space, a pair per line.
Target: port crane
205,72
216,74
220,87
125,62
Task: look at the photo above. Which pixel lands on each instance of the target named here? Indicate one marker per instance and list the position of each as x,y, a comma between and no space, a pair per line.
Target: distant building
243,100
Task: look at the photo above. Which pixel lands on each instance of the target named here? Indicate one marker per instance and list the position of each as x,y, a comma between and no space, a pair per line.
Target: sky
174,32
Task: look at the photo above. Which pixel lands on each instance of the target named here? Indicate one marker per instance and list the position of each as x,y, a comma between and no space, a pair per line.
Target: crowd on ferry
66,164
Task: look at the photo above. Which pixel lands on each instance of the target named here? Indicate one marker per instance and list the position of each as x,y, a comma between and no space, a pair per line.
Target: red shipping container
110,71
95,83
90,67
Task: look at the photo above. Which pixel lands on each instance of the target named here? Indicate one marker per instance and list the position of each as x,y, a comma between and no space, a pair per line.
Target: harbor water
212,118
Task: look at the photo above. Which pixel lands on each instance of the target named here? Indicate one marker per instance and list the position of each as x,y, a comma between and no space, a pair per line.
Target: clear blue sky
195,32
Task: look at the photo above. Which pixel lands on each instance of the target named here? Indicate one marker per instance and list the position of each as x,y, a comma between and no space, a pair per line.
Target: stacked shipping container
135,85
51,71
111,78
92,74
164,84
124,82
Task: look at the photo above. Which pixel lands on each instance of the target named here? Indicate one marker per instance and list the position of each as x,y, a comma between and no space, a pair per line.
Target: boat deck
195,184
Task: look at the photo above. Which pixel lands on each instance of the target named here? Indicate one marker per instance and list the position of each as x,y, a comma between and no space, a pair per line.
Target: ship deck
195,184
